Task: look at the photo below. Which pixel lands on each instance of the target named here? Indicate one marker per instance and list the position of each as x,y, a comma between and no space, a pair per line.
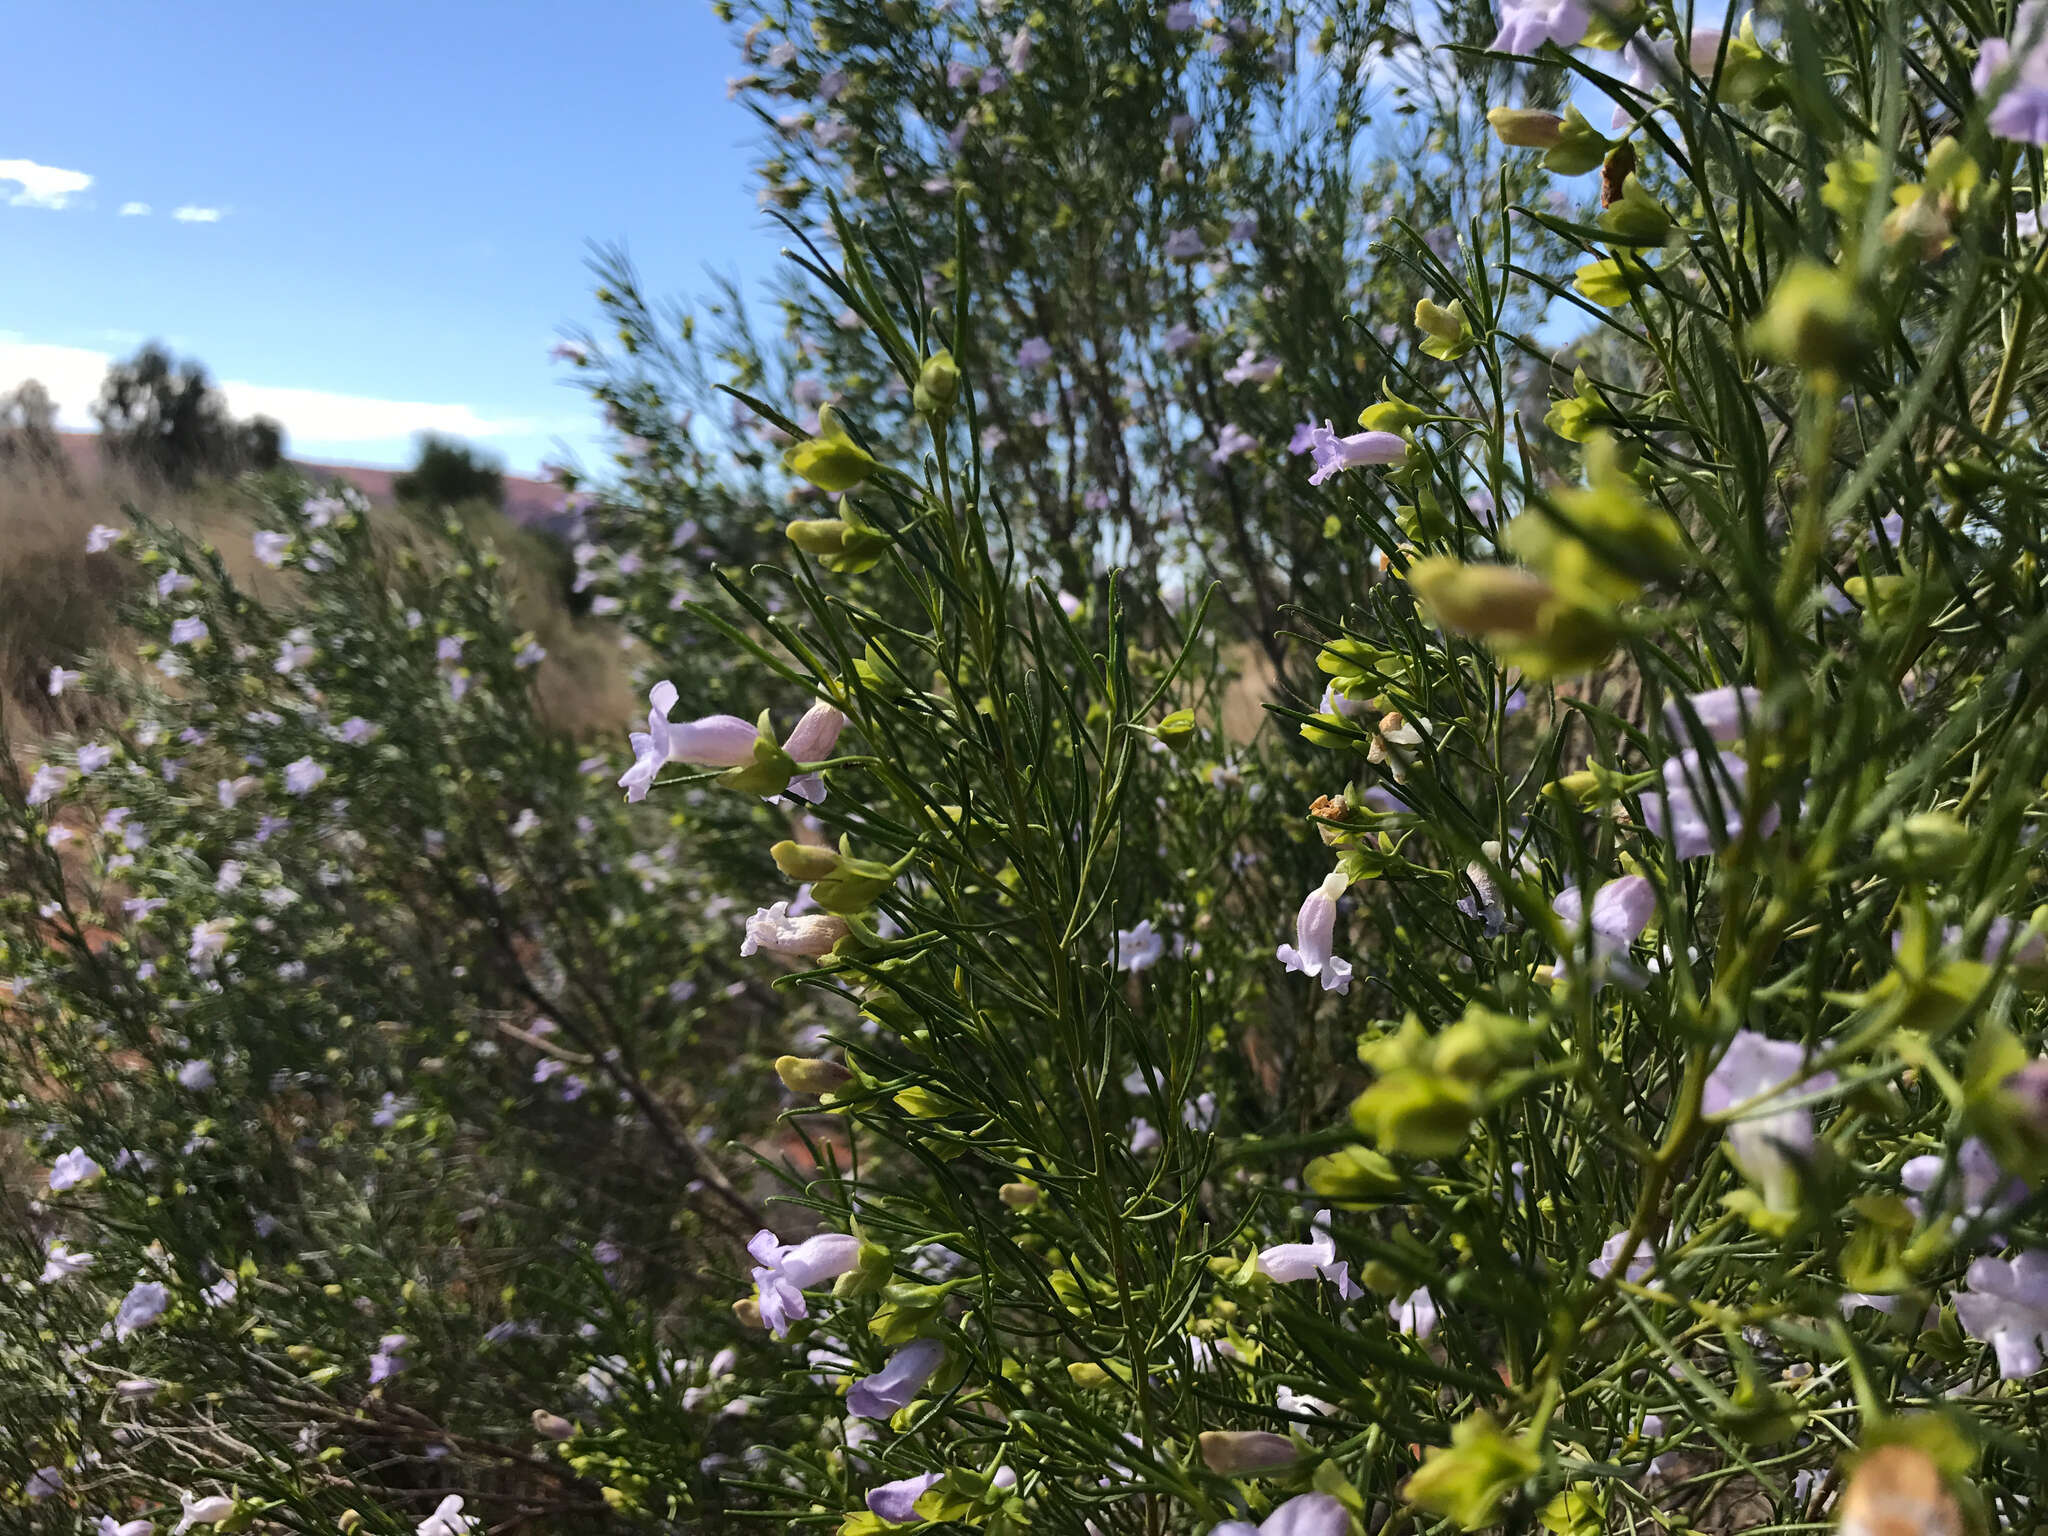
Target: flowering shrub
1572,1062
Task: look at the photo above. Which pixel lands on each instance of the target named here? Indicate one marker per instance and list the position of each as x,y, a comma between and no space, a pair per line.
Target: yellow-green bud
1177,730
938,387
1815,319
1020,1196
811,1074
349,1520
804,861
1354,1173
831,461
1480,599
1467,1480
1525,127
1928,843
1580,147
1449,332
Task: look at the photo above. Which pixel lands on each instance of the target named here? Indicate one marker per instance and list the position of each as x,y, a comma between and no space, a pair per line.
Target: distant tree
163,418
28,433
260,443
448,472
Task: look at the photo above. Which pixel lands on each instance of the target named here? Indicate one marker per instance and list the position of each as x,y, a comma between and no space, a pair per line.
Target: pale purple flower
46,781
531,654
230,791
773,929
108,1526
1185,245
355,730
1230,442
1414,1313
147,1301
302,776
211,1510
1315,1259
43,1483
1767,1143
1723,713
832,85
1699,809
1181,127
1250,368
897,1502
958,73
2006,1307
271,546
1139,948
196,1074
389,1360
1526,25
1017,52
811,741
60,679
1639,1263
784,1271
1306,1514
100,538
60,1263
1034,354
1620,911
94,756
188,631
1313,951
72,1169
1180,16
209,942
899,1381
2020,115
1979,1189
716,741
293,652
1335,454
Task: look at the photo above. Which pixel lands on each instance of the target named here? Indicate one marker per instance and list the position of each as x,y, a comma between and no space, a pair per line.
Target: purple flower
1178,338
1312,1260
1723,713
1526,25
2006,1306
832,85
1250,368
196,1074
1304,437
1987,1192
784,1271
1639,1263
1180,16
1334,454
302,776
188,631
60,679
1313,952
1185,245
1619,912
389,1360
271,547
72,1169
716,741
1230,442
1770,1139
1306,1514
2020,114
958,73
100,538
896,1383
44,784
1699,809
1034,354
143,1305
897,1502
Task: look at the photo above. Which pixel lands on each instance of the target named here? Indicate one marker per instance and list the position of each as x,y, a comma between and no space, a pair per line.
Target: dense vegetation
1370,678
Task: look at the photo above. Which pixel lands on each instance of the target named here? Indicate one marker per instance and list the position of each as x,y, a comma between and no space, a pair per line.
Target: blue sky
401,196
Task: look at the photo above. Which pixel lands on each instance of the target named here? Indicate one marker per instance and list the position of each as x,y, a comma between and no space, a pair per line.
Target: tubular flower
1526,25
773,929
899,1381
1333,454
1314,1259
2006,1306
784,1271
812,741
1699,808
1620,911
1313,951
897,1502
1767,1144
716,741
1723,713
2020,114
1306,1514
211,1510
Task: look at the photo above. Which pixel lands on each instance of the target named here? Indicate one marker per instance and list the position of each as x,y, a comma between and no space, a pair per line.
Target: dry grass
58,604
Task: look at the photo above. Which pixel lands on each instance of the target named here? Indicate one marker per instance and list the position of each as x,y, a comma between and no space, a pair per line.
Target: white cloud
192,213
134,210
72,375
42,186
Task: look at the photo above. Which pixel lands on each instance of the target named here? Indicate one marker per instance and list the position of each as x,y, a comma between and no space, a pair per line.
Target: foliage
163,418
447,472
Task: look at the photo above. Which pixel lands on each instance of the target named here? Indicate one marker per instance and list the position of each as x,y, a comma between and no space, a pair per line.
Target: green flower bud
1354,1173
1177,730
1417,1113
843,545
853,886
831,461
870,1272
811,1074
1929,843
1815,320
1525,127
1480,599
1467,1480
938,387
1449,332
1580,147
804,861
1246,1452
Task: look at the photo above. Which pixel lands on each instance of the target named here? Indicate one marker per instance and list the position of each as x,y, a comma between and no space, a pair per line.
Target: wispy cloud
73,374
134,210
41,186
192,213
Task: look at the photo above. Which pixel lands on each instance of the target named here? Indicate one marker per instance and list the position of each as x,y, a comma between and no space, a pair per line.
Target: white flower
211,1510
773,929
44,784
209,941
1313,951
1415,1313
62,678
60,1263
1139,948
72,1169
1315,1259
303,776
94,756
270,547
108,1526
196,1074
145,1302
448,1519
295,651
